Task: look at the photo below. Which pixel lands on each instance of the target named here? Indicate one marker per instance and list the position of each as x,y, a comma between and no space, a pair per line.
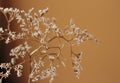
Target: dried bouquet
38,33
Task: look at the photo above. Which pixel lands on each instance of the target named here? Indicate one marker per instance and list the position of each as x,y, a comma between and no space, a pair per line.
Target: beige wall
101,63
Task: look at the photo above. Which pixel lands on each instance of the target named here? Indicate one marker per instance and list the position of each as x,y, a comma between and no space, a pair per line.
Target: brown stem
34,51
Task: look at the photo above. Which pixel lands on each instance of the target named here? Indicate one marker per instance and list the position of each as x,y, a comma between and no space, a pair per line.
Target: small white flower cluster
50,72
20,51
18,69
34,27
11,36
37,73
7,68
36,68
76,64
78,35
